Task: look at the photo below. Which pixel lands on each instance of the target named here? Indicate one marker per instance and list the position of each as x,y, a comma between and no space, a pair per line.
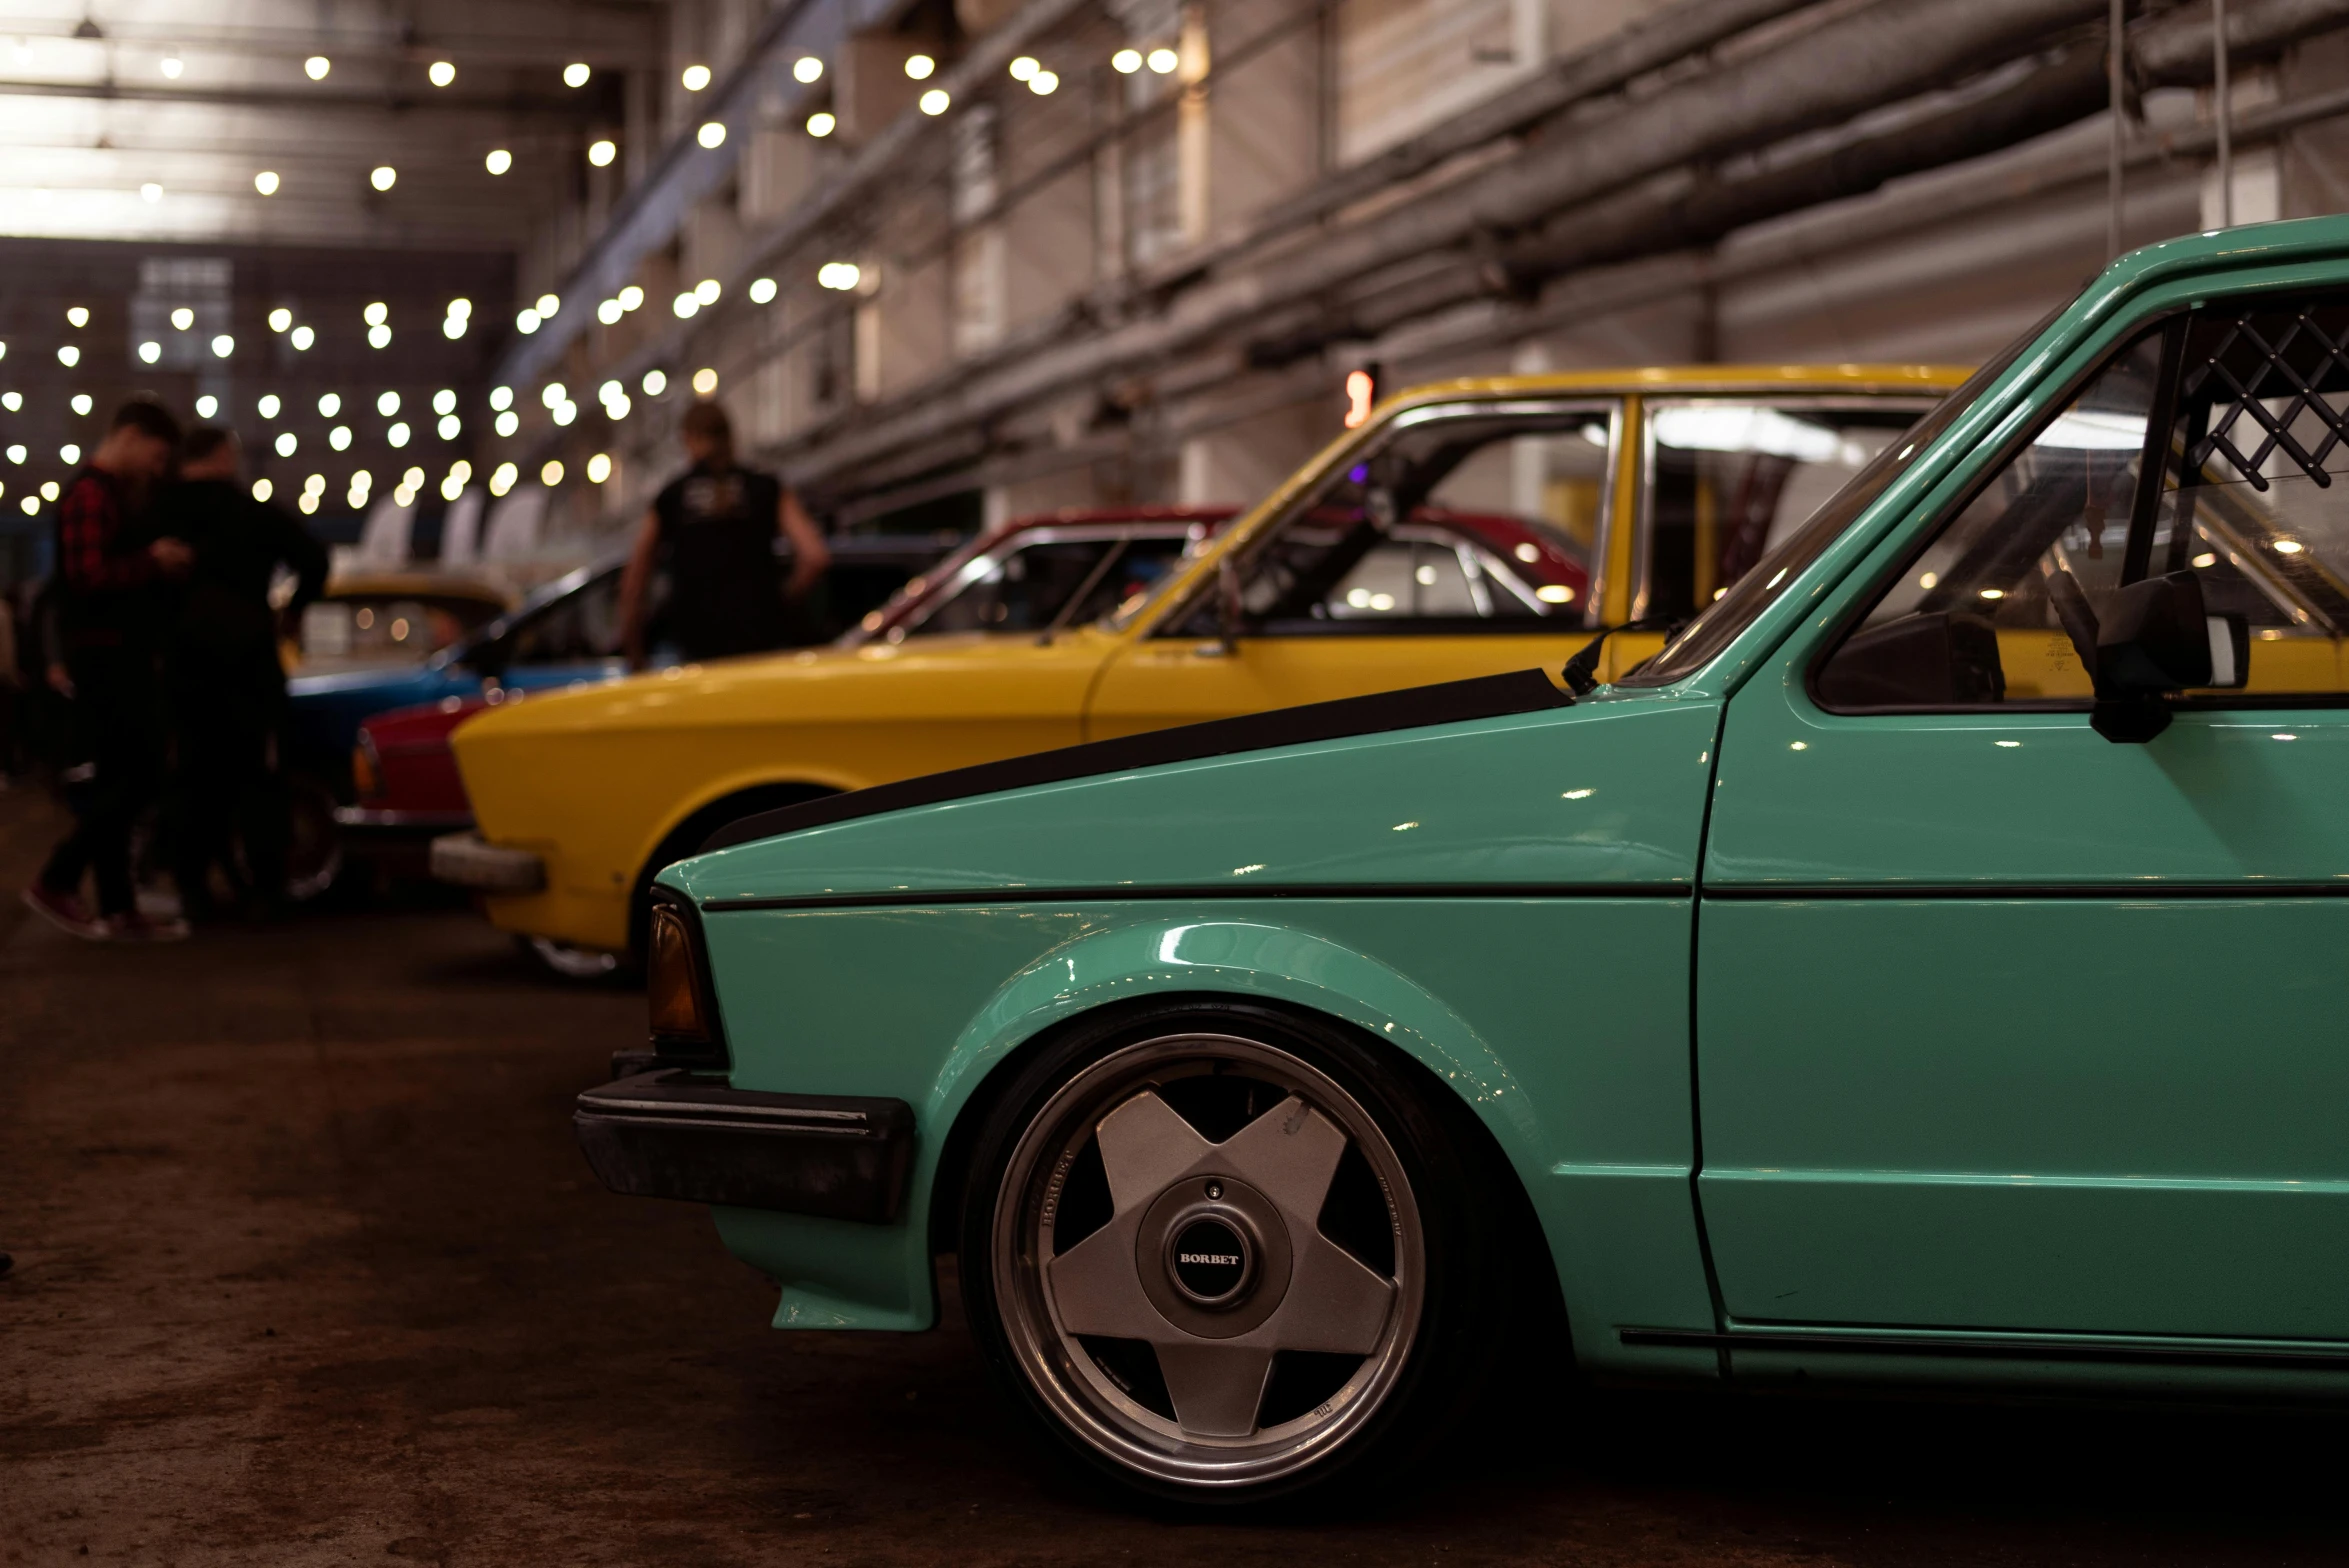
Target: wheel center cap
1210,1260
1212,1254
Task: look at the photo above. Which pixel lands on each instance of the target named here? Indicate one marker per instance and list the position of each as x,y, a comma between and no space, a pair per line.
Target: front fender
1254,959
1585,1093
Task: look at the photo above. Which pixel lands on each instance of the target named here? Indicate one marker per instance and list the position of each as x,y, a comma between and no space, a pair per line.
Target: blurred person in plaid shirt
108,569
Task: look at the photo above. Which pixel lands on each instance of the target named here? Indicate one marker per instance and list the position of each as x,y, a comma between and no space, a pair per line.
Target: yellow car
1466,528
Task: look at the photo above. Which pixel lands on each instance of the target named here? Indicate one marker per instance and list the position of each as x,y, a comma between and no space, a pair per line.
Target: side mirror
2156,638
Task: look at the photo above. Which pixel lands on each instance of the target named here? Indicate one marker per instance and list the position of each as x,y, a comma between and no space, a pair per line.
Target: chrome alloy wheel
1210,1261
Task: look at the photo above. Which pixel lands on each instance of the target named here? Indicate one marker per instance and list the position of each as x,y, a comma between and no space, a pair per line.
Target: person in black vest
718,525
224,684
109,566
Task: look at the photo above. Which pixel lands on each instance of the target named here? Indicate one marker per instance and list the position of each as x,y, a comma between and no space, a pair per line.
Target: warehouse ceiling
298,217
267,121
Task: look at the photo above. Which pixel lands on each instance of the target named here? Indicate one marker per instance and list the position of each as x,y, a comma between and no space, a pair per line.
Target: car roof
1871,379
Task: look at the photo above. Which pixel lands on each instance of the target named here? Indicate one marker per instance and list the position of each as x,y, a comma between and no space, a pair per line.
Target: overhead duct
1695,206
1882,53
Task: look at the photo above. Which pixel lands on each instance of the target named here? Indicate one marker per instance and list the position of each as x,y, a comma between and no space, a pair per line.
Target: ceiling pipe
1681,207
1879,54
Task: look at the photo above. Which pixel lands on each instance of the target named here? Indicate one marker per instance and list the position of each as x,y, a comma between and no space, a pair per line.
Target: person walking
717,526
108,567
224,685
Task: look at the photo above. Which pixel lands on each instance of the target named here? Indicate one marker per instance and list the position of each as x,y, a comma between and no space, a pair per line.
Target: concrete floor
308,1271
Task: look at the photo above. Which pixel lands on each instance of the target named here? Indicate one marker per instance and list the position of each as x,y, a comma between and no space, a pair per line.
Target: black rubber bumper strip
1414,707
676,1134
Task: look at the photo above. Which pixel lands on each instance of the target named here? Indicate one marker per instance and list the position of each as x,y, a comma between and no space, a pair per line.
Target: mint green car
1932,967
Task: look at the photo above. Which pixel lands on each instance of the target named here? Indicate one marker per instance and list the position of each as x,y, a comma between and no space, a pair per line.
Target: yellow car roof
1691,378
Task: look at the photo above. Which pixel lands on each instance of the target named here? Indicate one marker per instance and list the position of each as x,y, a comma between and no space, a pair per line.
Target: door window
2246,402
1460,520
581,627
1046,582
1731,478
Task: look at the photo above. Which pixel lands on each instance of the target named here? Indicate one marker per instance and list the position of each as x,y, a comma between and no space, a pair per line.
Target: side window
1135,574
1464,521
2246,403
1728,478
578,628
1021,591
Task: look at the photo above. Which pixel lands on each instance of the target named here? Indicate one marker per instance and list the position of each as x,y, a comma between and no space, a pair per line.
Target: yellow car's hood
880,679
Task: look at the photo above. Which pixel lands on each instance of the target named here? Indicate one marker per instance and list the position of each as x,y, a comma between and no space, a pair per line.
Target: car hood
808,682
1597,797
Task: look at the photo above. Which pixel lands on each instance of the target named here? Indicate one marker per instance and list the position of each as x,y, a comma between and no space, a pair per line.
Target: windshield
357,628
1696,643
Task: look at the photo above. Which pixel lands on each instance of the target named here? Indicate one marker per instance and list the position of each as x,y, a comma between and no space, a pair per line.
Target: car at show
1925,969
406,787
567,633
391,618
1466,528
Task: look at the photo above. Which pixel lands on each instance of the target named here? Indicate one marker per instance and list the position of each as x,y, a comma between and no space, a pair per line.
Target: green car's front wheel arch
1225,1253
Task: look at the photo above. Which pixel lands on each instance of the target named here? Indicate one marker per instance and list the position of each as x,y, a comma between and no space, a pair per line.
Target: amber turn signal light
673,980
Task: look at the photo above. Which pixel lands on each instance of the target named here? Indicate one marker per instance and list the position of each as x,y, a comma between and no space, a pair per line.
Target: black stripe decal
1415,707
1885,892
1988,1349
1495,892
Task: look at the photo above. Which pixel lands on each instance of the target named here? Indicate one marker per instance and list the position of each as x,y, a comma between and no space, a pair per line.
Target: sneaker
65,911
138,927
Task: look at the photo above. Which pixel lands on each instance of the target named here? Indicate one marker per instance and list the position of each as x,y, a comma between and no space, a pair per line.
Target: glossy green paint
1584,1087
2063,1105
1603,794
2047,1115
1996,1114
1586,1092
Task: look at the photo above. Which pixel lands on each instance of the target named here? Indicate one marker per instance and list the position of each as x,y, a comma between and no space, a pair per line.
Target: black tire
1411,1201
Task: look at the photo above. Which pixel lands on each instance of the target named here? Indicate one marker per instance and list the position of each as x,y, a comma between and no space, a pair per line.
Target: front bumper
678,1134
374,822
469,860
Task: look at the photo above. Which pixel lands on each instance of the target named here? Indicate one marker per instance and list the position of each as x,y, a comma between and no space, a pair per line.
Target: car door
1376,579
2004,1026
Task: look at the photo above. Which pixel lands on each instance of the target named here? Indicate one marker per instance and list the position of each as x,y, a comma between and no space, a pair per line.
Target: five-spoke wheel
1202,1253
